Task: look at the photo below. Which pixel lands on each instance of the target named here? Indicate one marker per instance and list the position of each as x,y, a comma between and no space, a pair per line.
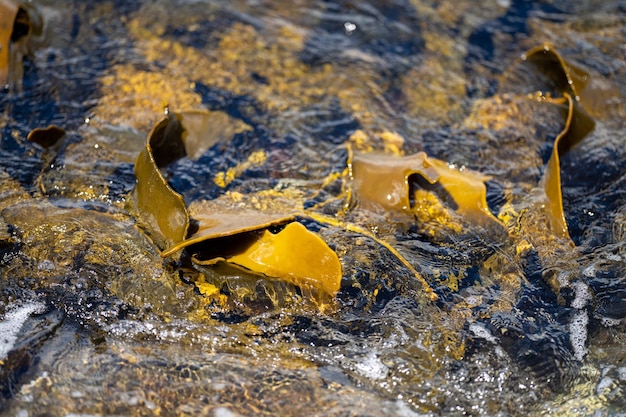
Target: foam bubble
372,367
480,331
11,324
578,334
582,295
590,271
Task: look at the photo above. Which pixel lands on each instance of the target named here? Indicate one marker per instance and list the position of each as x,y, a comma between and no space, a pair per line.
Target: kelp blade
542,71
544,75
578,124
20,24
383,179
161,210
203,129
296,255
224,222
467,189
8,13
46,137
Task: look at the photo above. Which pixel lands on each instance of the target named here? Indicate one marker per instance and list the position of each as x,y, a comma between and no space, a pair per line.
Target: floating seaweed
294,254
543,75
241,236
383,179
19,22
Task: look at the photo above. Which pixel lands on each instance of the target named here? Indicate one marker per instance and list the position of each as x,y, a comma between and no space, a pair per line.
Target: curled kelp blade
226,231
8,13
46,137
295,255
383,180
203,129
467,189
221,232
542,69
19,21
160,208
226,222
545,76
544,72
578,124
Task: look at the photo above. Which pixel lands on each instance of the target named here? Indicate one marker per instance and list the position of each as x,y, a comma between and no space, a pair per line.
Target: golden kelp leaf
8,13
222,233
19,22
160,209
549,78
46,137
294,255
226,222
384,180
204,129
467,189
543,70
578,124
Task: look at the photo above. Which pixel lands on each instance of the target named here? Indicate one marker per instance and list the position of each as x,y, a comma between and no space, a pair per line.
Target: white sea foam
223,412
582,295
613,257
372,367
578,334
481,331
11,324
590,271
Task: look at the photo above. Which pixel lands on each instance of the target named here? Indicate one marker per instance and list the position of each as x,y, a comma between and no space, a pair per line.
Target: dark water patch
37,105
496,197
120,182
513,27
197,179
387,31
326,123
241,107
606,278
327,333
536,332
538,342
202,32
592,199
230,317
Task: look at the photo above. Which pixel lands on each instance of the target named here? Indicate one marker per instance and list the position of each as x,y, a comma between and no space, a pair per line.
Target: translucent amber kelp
294,254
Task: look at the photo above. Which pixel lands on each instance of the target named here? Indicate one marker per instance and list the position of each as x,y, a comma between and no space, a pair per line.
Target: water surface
527,322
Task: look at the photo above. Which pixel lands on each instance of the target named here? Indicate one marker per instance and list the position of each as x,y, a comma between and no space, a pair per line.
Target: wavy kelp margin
18,23
241,236
294,254
384,179
545,76
578,124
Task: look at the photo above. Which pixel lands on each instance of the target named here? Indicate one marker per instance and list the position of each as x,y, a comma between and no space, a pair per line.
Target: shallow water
527,321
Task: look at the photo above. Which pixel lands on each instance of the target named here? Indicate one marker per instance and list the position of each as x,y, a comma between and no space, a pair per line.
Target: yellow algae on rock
145,92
